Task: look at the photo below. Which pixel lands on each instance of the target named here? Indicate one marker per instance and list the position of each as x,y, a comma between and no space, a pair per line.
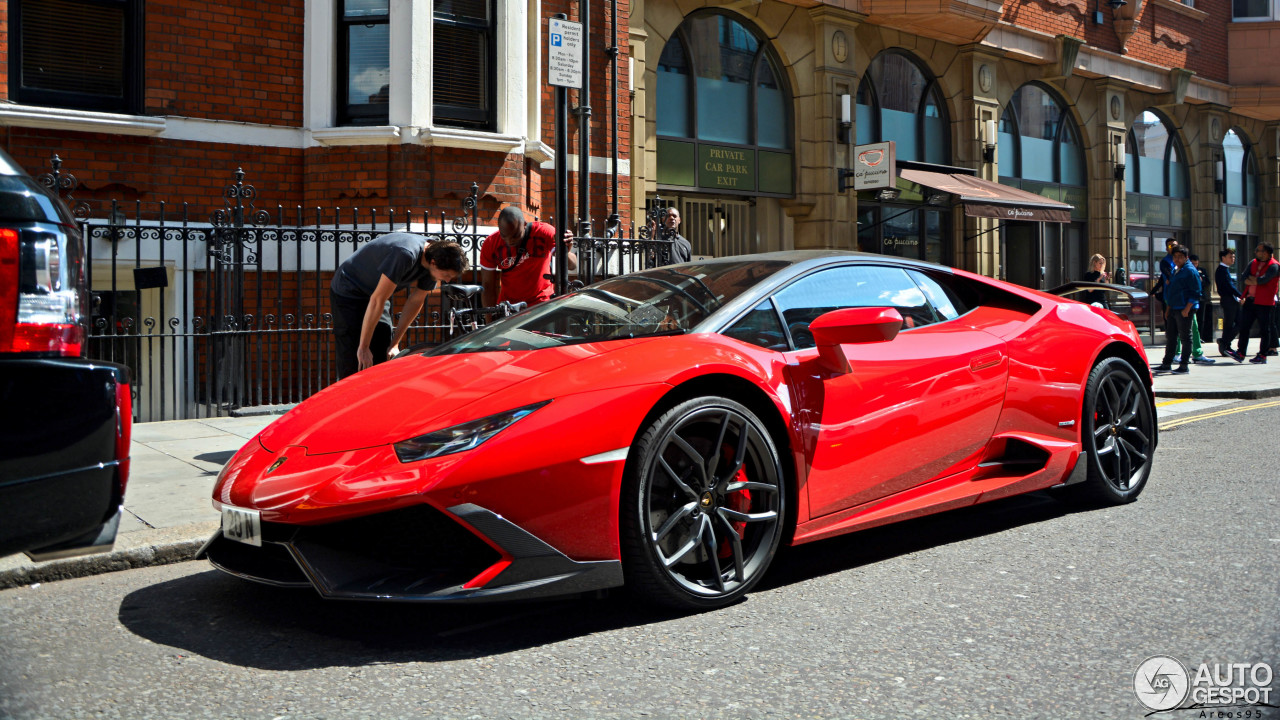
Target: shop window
673,90
1253,10
77,54
897,101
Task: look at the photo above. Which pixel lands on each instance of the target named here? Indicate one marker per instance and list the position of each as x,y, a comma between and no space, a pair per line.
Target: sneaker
1271,352
1182,370
1235,355
1223,350
1259,360
1202,360
1164,368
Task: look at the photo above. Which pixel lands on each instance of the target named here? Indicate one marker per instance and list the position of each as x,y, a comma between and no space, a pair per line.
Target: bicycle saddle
461,292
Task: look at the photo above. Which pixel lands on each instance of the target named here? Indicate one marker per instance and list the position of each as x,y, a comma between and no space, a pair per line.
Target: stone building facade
1152,119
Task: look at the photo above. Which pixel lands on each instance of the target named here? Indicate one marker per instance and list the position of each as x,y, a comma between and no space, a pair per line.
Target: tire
703,505
1118,426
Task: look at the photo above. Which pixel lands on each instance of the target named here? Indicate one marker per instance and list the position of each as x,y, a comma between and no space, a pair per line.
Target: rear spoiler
1079,286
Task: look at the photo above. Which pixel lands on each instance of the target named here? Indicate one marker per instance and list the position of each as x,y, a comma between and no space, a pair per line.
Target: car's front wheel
703,506
1118,433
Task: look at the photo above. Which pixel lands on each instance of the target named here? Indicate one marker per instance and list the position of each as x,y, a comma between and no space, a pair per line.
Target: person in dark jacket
1181,298
1228,298
1261,281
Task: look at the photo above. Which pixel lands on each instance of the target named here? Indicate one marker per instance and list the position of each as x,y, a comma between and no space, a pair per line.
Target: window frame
1274,14
364,115
130,102
932,92
484,119
1064,128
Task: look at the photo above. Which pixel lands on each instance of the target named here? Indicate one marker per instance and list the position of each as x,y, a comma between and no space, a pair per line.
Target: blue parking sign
557,40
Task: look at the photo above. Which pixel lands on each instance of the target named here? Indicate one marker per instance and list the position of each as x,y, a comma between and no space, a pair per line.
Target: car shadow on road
242,623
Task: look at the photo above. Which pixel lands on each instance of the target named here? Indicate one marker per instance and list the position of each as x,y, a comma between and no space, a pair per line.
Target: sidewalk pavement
169,513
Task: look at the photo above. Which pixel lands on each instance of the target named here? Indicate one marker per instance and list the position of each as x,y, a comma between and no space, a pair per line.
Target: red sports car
667,430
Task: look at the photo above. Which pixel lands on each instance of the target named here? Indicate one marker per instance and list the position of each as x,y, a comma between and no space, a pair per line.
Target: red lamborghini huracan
667,430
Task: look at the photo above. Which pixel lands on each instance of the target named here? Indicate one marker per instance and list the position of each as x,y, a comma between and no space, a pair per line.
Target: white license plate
242,525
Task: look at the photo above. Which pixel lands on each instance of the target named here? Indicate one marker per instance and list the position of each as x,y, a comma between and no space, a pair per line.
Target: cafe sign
875,166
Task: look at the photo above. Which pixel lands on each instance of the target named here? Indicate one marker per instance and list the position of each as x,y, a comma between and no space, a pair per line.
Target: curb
133,550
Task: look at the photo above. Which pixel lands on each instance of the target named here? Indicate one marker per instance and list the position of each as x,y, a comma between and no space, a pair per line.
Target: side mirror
852,326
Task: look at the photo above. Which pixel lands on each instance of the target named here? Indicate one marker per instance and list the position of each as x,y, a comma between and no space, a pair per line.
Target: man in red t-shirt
515,262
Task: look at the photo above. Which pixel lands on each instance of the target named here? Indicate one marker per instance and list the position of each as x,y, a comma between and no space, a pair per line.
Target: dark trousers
1176,327
348,316
1230,314
1250,313
1206,321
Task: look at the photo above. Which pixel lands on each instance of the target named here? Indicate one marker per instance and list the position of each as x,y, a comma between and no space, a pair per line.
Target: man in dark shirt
361,290
681,249
1228,298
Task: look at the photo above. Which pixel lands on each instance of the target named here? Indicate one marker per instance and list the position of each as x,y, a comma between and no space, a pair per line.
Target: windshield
663,301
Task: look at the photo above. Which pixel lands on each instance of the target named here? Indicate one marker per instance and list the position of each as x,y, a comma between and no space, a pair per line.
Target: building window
1252,10
897,101
1040,149
364,47
77,54
1241,205
723,111
463,64
1159,168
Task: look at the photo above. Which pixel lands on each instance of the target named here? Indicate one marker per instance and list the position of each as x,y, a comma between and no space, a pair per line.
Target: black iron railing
219,312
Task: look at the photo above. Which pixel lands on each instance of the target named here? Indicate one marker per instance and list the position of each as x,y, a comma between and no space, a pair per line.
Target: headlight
460,437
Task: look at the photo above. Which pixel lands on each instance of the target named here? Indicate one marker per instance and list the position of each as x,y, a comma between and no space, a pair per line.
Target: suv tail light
38,312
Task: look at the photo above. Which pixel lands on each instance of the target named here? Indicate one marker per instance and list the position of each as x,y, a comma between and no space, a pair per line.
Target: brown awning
986,199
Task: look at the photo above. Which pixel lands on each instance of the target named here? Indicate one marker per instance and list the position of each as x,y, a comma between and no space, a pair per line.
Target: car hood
418,394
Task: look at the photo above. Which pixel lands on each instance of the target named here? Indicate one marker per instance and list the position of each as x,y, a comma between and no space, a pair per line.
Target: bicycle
468,319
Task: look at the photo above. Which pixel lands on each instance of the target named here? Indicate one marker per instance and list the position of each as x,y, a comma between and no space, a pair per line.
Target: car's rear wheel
703,506
1118,433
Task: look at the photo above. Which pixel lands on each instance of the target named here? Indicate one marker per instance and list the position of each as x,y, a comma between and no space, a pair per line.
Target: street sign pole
564,70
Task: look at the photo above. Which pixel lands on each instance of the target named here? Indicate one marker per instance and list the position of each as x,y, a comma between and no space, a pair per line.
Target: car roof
799,262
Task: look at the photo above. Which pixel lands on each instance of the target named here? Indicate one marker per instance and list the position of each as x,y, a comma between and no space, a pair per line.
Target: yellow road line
1208,416
1172,402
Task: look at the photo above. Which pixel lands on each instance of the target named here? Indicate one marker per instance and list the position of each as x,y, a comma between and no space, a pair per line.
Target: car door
912,409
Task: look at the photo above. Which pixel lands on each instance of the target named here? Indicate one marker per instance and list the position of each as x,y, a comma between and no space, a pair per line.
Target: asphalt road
1022,608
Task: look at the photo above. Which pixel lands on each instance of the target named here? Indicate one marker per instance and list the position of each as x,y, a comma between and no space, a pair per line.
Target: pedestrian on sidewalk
1228,298
1260,284
1204,316
361,290
1181,297
1097,274
1197,347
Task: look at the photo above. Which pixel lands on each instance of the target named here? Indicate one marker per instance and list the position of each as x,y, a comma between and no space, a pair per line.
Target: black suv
64,419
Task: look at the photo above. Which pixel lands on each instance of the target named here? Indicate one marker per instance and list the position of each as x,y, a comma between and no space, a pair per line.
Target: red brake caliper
738,501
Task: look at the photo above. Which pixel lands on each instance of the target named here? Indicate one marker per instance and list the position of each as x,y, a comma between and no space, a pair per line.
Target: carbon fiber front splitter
415,554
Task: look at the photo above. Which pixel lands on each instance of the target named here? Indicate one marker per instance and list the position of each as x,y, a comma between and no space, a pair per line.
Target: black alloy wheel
703,505
1118,433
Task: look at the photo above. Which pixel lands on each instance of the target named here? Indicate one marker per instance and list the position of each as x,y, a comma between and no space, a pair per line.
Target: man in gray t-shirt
361,290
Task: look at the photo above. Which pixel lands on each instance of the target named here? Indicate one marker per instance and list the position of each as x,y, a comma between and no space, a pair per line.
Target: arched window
897,101
1241,206
1161,166
1038,141
723,111
1240,168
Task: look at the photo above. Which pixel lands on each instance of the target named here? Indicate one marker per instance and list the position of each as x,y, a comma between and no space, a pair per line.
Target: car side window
760,327
947,306
851,286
